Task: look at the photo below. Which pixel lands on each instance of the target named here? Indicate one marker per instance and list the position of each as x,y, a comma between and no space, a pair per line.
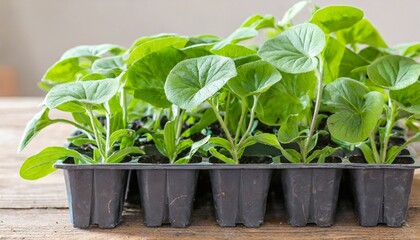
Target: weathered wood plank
54,223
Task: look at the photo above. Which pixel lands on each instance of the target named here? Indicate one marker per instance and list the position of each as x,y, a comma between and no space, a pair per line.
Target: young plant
85,97
171,144
297,51
397,78
195,81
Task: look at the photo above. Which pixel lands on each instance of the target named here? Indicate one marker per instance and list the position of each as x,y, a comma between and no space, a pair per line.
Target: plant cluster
332,77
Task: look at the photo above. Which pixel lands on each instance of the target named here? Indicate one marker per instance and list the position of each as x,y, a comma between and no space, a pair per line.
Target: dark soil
398,160
160,159
330,159
247,160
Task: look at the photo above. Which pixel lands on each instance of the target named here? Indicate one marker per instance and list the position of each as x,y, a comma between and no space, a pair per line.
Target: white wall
34,33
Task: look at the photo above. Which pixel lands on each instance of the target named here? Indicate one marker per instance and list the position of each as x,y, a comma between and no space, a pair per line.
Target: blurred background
34,34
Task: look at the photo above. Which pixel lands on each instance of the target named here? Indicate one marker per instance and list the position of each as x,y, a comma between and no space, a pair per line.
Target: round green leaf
259,21
356,110
234,51
394,72
334,18
408,98
147,76
254,78
296,49
193,81
87,92
290,96
154,45
242,33
68,70
363,32
92,50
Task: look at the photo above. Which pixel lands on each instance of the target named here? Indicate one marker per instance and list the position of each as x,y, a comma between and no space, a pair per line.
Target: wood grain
38,209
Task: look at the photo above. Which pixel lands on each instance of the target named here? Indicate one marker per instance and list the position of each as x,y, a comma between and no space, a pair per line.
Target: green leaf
81,118
34,126
158,139
289,130
41,164
169,132
202,39
220,142
148,76
92,50
98,76
194,148
356,110
220,156
83,141
291,96
292,155
349,62
367,153
332,56
145,39
393,151
321,154
411,50
240,34
267,139
334,18
234,51
206,119
408,98
258,21
199,50
155,45
394,72
89,92
193,81
296,49
118,156
113,65
254,78
340,61
362,32
118,134
246,59
68,70
182,145
292,12
371,53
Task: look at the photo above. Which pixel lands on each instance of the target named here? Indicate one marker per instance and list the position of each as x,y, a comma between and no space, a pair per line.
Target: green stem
108,134
251,120
123,102
390,120
179,126
156,124
226,119
226,130
320,75
241,120
98,137
373,147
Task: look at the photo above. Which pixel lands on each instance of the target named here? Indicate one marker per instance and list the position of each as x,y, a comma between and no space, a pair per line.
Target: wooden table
38,209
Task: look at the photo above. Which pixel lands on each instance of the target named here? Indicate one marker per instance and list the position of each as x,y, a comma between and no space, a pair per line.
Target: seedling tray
212,166
159,208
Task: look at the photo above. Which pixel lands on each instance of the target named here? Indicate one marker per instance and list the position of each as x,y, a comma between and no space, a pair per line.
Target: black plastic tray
210,166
